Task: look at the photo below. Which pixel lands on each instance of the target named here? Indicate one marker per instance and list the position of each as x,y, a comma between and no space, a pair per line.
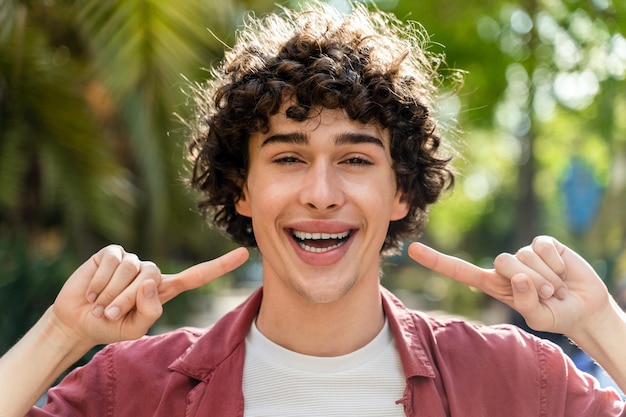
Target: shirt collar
229,333
220,341
408,334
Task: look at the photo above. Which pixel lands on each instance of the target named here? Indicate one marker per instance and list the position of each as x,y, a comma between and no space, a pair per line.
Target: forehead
324,122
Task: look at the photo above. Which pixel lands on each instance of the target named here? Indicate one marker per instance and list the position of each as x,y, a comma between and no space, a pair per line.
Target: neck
322,329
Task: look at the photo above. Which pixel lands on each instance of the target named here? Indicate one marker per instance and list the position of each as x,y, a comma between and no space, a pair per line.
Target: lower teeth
319,250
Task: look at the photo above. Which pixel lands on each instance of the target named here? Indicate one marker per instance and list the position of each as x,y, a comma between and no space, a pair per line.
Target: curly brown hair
367,63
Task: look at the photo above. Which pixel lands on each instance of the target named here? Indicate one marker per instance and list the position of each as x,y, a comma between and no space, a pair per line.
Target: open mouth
320,242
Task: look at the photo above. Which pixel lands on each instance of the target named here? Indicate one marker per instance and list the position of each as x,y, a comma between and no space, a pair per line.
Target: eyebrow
346,138
297,138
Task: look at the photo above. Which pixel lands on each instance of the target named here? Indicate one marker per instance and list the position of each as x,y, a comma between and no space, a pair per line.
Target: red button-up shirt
453,368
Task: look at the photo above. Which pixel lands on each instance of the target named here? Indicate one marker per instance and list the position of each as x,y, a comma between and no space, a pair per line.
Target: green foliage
90,149
28,284
544,85
52,168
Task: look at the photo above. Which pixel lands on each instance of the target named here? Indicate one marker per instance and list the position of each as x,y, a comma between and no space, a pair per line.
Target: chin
324,295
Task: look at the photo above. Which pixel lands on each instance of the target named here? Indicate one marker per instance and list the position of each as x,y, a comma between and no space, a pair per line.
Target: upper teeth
317,236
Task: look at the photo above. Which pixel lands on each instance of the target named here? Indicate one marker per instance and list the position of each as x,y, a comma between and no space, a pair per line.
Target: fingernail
521,286
113,312
91,297
546,291
98,311
561,293
149,292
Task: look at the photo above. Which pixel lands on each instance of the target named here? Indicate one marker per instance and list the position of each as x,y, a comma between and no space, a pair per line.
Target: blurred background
92,94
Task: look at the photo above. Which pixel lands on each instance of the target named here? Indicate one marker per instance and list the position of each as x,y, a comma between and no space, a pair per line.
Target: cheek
376,188
266,197
383,190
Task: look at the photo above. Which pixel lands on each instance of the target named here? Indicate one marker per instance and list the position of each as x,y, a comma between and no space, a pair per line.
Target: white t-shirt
280,382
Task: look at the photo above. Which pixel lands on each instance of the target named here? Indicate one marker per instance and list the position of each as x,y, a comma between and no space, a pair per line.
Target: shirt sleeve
571,392
86,391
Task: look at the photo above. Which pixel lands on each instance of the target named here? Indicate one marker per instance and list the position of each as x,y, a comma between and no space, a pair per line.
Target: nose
322,188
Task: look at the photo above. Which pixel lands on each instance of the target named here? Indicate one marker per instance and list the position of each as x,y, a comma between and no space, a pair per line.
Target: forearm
33,364
605,342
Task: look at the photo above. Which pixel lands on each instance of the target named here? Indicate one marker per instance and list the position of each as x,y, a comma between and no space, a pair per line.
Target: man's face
321,194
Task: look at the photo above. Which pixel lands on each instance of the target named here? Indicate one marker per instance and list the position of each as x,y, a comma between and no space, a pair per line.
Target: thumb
149,307
526,299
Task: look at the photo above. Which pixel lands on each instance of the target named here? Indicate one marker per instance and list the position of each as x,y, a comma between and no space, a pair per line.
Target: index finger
200,274
447,265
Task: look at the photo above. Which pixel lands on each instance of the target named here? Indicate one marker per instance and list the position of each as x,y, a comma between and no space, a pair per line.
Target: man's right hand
115,296
112,297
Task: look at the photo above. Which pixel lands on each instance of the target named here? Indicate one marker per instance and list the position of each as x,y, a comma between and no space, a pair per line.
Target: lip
321,226
327,257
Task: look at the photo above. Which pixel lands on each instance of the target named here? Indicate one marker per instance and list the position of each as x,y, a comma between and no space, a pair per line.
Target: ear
242,205
400,207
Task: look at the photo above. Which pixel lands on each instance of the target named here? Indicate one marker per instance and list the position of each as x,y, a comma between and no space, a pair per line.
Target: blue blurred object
582,194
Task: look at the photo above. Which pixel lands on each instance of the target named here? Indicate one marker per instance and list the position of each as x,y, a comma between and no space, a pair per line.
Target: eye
286,160
357,161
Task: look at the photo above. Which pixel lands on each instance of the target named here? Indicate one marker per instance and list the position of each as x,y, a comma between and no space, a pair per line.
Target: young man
315,143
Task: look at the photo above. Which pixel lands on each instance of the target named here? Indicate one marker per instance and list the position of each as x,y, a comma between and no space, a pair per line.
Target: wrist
35,361
62,339
603,334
